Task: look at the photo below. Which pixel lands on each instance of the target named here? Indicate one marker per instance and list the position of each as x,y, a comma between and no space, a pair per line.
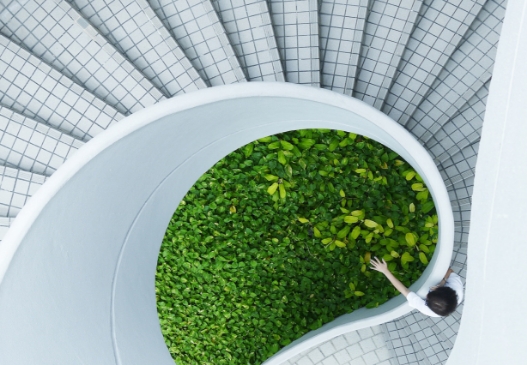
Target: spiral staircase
71,68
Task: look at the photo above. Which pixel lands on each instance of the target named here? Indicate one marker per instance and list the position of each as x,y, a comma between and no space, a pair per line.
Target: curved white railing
77,267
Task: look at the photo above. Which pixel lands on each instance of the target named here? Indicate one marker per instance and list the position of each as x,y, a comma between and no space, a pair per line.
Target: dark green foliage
274,241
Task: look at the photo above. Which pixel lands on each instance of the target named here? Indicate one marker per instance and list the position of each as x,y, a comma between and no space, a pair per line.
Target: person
441,300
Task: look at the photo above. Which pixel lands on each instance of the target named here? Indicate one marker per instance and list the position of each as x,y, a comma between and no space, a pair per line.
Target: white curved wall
77,266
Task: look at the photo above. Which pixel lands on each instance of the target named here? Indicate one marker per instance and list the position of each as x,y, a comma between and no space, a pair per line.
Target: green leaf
410,239
281,188
248,150
424,248
272,189
418,187
406,257
423,258
271,177
281,157
358,293
409,176
351,219
327,240
286,145
369,223
274,145
342,193
428,206
340,243
356,213
303,220
266,139
343,232
333,145
306,143
316,232
389,223
356,232
411,207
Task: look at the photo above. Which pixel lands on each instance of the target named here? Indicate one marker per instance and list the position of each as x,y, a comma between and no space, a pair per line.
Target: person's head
442,300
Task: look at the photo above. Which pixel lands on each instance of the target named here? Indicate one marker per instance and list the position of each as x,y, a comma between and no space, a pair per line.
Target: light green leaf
281,157
272,189
286,145
303,220
410,239
369,223
351,219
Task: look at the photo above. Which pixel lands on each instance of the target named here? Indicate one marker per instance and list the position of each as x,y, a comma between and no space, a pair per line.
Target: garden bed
275,239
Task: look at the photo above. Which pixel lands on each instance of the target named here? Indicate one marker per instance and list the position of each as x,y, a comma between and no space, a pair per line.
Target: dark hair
442,301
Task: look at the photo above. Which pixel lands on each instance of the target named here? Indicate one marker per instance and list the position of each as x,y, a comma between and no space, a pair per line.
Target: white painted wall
77,266
494,323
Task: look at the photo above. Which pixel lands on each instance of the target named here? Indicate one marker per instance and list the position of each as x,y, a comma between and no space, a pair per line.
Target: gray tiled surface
56,33
295,24
388,28
34,89
32,146
197,29
16,187
464,74
341,29
249,29
438,31
137,33
362,347
462,130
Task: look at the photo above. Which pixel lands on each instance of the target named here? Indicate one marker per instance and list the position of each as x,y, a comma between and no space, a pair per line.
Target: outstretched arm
383,268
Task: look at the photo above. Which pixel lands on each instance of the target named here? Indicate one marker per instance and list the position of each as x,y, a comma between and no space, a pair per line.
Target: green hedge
275,240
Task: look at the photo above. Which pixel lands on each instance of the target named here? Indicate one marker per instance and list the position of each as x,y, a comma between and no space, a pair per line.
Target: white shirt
453,281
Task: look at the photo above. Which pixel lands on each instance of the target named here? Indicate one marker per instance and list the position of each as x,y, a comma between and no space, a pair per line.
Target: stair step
460,166
135,31
439,28
341,32
37,91
32,146
77,50
388,28
250,32
295,24
198,31
462,130
16,187
469,68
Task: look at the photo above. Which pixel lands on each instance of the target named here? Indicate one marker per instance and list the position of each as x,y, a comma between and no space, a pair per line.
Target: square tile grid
198,30
138,34
57,34
462,130
439,29
366,346
37,91
341,29
16,187
295,24
32,146
249,29
468,69
388,28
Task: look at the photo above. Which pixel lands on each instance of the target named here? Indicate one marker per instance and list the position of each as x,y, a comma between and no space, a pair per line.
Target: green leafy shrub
275,240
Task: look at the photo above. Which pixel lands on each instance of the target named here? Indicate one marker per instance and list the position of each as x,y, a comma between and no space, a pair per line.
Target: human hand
379,266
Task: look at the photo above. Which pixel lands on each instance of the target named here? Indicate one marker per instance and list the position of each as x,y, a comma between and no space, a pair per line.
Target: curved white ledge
77,266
